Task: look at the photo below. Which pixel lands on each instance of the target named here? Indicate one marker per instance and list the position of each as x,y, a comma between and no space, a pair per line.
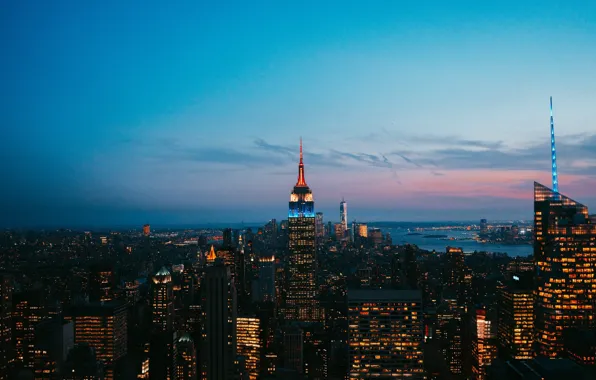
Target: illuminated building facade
5,324
484,349
455,268
301,296
103,327
162,351
565,259
343,215
319,226
362,230
28,311
219,323
267,279
101,283
248,340
385,334
516,320
146,230
162,302
187,359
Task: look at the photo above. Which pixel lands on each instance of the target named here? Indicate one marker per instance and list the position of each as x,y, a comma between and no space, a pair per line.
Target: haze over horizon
123,114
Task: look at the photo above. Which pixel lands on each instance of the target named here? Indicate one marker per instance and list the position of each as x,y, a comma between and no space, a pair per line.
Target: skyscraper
301,302
319,226
516,320
5,324
267,279
484,349
343,215
248,339
385,334
187,359
565,260
162,350
103,327
101,282
219,325
455,266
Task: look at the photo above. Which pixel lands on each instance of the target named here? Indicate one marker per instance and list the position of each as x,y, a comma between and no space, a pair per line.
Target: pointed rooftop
211,256
301,180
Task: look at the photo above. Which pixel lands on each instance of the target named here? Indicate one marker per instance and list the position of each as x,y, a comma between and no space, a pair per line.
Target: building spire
553,150
301,181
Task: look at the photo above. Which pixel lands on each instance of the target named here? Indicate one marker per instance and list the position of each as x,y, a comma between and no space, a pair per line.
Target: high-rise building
385,334
376,236
319,226
5,324
565,259
102,326
483,227
293,349
455,266
516,319
101,282
484,349
343,215
187,358
339,231
162,301
267,279
301,296
28,311
219,325
53,339
162,348
248,340
146,230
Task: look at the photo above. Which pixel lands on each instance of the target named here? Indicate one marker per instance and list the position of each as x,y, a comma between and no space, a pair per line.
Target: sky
130,112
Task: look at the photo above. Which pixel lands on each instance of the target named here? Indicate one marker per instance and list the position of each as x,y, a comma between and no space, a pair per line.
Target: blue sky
125,112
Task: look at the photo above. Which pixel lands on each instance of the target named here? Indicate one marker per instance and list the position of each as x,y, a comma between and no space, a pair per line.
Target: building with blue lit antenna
553,150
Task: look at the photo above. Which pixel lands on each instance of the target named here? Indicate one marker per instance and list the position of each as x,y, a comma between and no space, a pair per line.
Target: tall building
301,296
516,320
483,227
146,230
319,226
187,359
53,339
343,215
162,347
101,282
28,311
103,327
455,266
385,334
162,301
484,349
248,340
267,279
293,349
219,325
5,324
565,259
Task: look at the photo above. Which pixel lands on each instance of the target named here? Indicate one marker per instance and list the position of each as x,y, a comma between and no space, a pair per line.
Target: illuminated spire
301,181
211,256
553,150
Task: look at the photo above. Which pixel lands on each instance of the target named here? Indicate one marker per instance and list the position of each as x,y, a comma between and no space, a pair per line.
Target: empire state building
301,302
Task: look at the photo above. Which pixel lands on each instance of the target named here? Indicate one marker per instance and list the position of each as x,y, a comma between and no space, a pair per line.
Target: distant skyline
125,113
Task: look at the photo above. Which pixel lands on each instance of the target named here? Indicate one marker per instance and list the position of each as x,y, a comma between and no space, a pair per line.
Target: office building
28,311
267,279
319,226
385,334
6,354
343,215
162,347
101,282
376,236
455,266
53,340
301,296
293,349
218,352
103,326
248,340
516,319
484,349
187,359
565,259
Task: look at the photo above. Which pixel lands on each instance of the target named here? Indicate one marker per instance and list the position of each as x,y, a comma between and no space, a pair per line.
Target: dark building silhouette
82,364
6,352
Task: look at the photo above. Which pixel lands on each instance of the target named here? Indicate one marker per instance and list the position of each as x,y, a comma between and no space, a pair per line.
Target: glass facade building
565,263
385,334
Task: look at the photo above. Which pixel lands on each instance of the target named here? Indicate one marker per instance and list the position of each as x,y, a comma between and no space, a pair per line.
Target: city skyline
159,124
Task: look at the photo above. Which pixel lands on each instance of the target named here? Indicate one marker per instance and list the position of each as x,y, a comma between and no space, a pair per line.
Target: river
400,236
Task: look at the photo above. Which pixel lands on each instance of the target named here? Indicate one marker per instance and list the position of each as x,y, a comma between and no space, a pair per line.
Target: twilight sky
131,112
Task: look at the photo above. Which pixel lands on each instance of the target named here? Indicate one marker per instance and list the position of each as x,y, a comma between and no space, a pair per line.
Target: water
400,236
